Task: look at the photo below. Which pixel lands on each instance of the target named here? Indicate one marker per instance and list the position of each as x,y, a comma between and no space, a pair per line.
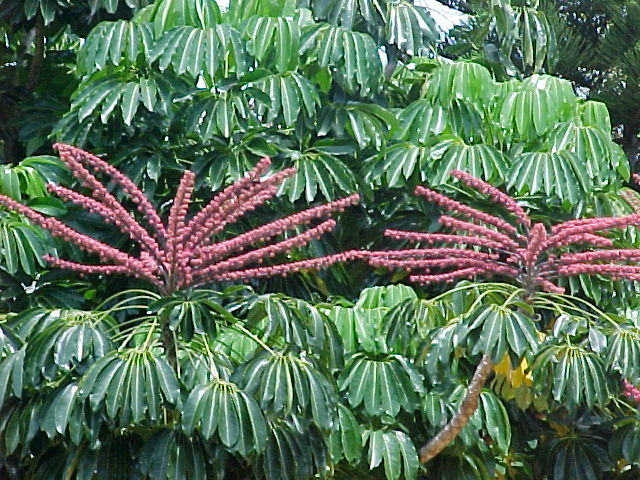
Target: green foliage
326,376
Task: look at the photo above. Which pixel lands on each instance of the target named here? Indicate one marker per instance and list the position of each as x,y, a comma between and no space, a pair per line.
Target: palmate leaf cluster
307,403
266,385
340,98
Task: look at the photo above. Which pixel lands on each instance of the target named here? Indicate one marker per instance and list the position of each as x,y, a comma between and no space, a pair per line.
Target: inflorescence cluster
527,252
182,252
629,391
185,252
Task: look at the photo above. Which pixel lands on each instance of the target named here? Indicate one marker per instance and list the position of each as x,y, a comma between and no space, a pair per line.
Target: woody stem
459,420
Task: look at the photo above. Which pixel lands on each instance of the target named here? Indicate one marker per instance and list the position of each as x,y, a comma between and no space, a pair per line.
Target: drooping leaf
557,175
290,94
395,451
353,56
128,384
169,454
265,33
623,352
346,440
383,385
295,449
460,81
220,407
167,14
500,328
196,51
410,27
287,383
114,43
541,102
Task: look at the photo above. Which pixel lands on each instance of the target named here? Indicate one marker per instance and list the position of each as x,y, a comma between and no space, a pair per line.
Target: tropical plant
182,254
530,258
100,378
515,38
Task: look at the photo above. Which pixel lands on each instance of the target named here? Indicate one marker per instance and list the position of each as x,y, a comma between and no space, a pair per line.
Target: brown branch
38,54
468,406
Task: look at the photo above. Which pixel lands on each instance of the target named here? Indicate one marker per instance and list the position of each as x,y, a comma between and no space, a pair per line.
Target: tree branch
459,420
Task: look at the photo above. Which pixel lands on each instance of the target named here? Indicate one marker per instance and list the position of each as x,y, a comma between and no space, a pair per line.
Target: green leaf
623,351
346,440
384,385
114,42
578,375
11,375
196,51
353,56
285,92
410,28
466,81
481,161
538,105
557,175
263,33
496,420
395,450
285,383
420,121
167,14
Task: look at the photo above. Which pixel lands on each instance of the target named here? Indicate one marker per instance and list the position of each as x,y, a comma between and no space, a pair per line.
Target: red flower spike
485,245
628,390
182,254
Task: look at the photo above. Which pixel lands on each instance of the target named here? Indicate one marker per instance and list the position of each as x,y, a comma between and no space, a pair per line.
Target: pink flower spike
462,226
183,254
496,195
465,210
272,229
531,259
431,238
286,268
71,154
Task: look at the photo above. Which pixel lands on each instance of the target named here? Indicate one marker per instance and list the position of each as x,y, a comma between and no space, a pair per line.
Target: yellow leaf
503,367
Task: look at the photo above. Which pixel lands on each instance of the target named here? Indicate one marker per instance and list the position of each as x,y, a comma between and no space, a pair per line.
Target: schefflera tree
529,320
178,386
183,253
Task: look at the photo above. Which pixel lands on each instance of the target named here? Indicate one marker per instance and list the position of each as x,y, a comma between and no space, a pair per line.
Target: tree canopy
483,328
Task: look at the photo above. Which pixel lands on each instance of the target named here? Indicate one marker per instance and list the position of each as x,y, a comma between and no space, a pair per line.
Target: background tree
593,44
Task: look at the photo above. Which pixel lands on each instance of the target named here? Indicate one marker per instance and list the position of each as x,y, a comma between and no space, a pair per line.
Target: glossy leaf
221,408
346,439
290,94
623,352
541,102
168,455
420,120
263,33
557,175
114,43
481,161
383,386
501,328
129,385
354,56
287,383
167,14
294,450
199,50
460,81
395,451
410,28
